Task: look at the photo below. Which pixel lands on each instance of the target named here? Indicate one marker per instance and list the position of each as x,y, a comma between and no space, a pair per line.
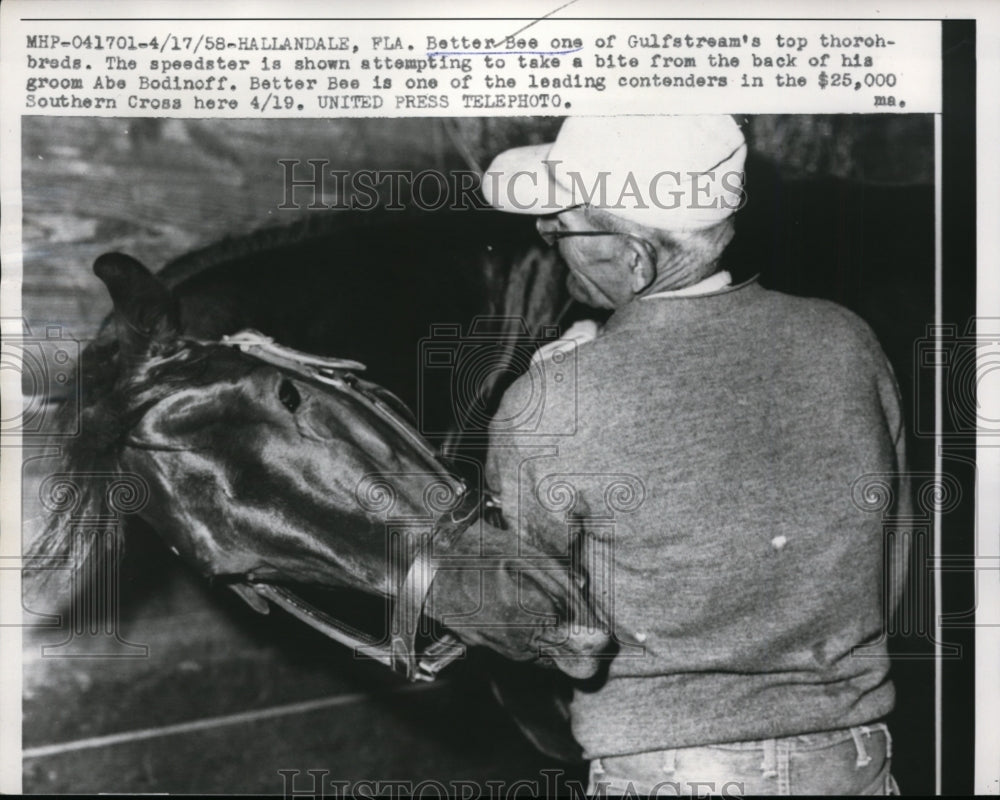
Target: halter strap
339,373
260,346
398,651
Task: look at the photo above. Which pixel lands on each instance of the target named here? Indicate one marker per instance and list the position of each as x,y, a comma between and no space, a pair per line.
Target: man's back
749,573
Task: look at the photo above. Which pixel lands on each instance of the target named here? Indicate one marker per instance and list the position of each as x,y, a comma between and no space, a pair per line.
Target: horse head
254,468
262,471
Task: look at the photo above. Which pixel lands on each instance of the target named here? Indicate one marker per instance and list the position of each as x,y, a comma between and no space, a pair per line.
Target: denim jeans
853,761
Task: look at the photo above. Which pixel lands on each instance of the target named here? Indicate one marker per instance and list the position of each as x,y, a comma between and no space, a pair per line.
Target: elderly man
747,591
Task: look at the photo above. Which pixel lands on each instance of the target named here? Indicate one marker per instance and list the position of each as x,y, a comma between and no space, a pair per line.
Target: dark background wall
840,207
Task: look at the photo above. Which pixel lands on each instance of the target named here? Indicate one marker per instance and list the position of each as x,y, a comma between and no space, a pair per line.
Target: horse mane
513,236
270,237
107,414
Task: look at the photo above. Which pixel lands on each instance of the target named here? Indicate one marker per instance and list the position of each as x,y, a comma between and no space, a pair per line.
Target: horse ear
146,313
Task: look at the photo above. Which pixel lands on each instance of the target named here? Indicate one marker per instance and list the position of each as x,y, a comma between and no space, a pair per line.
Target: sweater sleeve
522,463
898,553
536,535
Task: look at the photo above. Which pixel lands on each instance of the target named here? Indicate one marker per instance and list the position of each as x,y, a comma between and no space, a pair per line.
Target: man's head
635,204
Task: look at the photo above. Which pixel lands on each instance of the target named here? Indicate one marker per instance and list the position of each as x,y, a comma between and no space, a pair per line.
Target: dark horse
261,475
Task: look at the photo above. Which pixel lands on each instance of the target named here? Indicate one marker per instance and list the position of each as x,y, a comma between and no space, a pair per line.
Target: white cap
677,173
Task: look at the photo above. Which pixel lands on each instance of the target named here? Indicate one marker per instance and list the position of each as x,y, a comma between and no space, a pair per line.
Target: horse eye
289,395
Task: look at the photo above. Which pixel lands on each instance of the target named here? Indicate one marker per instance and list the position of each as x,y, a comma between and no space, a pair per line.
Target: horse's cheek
172,498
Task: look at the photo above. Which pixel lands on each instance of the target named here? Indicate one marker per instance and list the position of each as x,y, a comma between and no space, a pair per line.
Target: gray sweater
744,575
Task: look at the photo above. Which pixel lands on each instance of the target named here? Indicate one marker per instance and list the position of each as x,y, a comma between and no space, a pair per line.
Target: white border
987,14
987,775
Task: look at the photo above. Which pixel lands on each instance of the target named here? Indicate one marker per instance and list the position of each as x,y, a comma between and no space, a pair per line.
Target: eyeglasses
551,237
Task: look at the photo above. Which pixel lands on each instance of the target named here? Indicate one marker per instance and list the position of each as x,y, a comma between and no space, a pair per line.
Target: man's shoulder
543,397
807,306
819,316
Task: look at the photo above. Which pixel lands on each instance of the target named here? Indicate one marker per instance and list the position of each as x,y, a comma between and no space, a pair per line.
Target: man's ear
641,263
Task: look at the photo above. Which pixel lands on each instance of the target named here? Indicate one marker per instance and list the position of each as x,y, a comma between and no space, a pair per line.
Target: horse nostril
289,395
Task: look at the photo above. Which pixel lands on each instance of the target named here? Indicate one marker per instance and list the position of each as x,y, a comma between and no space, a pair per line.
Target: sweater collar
672,307
712,283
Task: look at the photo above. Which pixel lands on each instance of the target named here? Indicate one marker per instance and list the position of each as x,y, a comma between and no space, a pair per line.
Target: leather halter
398,649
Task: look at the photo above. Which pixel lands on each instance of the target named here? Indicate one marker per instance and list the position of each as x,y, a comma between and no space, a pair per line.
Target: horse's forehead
224,400
192,364
189,388
224,383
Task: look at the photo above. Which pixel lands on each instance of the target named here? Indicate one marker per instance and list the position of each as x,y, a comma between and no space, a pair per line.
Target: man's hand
516,600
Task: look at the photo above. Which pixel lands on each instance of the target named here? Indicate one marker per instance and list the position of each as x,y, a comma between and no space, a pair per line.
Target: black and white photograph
501,447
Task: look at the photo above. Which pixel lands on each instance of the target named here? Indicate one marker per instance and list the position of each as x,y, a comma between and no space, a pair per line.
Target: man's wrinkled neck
680,272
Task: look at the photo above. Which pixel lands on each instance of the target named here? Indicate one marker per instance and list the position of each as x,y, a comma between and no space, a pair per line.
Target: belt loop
670,761
888,738
863,758
769,766
598,787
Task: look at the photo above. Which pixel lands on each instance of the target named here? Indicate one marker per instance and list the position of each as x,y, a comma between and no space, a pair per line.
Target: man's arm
530,574
514,599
